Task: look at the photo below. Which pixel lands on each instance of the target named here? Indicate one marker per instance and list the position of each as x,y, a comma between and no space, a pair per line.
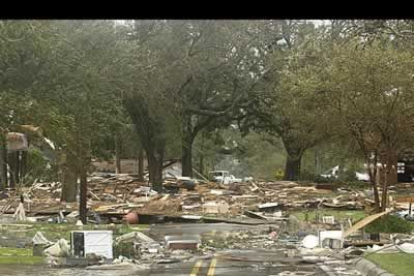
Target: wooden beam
364,223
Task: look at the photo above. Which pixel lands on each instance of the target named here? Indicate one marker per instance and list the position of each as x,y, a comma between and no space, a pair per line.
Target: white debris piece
39,238
310,241
134,236
20,214
406,248
59,249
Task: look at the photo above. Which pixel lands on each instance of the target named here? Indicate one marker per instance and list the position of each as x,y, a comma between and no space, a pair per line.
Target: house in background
404,170
171,167
129,166
334,173
405,167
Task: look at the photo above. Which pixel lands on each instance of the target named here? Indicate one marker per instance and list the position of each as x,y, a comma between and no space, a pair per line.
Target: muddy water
14,270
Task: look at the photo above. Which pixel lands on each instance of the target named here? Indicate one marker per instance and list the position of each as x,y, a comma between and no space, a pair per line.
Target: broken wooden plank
109,207
255,215
165,197
95,196
364,222
254,188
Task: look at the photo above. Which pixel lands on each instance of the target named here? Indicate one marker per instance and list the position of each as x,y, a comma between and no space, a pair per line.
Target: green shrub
321,179
348,176
390,224
358,184
125,249
306,176
37,167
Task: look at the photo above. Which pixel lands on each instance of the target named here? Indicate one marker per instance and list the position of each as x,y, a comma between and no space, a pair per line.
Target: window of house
400,167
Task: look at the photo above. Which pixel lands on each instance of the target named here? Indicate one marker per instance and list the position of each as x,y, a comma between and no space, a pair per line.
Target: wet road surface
217,267
16,270
202,267
258,262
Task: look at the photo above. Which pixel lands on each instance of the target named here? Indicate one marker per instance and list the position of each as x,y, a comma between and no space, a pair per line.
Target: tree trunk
392,164
201,153
69,185
3,163
151,130
11,158
187,150
341,170
318,166
384,190
150,161
18,166
155,166
373,172
189,131
201,165
376,199
186,159
155,171
141,164
118,148
69,173
23,164
83,195
292,168
389,171
158,172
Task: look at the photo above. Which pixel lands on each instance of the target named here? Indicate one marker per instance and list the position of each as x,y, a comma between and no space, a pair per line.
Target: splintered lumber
254,188
399,199
109,207
7,206
333,205
134,236
254,215
116,186
165,197
95,196
364,223
199,174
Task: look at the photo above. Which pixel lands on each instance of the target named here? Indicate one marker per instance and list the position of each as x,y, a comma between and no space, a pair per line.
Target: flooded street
18,270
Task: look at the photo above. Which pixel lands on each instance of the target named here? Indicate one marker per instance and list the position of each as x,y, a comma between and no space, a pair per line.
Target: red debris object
131,218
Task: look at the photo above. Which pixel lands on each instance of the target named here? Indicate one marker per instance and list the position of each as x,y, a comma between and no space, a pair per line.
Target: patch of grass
58,231
339,215
21,235
124,249
390,224
399,264
19,256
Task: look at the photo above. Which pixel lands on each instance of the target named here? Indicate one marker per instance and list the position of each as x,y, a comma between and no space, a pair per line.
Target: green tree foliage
297,114
337,89
149,86
20,67
197,70
81,87
71,72
371,88
390,224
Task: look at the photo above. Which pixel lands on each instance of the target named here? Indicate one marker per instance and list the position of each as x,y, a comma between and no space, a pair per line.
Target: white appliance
88,242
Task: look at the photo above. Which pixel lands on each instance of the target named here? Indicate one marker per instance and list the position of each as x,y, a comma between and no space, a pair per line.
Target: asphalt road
218,267
159,231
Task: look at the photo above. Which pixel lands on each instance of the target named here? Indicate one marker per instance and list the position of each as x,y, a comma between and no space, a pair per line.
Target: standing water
18,270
